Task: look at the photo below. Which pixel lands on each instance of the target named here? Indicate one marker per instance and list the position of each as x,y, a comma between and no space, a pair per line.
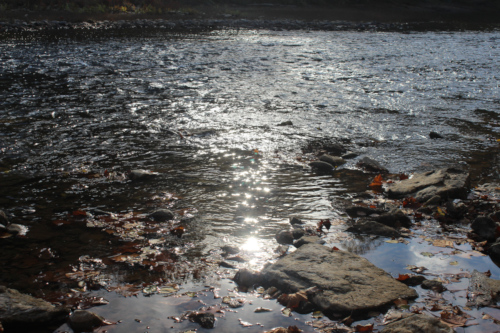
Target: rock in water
346,282
413,323
447,183
85,321
335,161
162,215
371,165
20,310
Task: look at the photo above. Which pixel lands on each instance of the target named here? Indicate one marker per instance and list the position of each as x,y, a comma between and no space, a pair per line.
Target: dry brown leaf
453,320
443,243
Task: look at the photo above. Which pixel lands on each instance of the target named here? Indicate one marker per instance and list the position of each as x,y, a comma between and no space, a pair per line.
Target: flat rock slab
20,310
346,282
447,183
413,323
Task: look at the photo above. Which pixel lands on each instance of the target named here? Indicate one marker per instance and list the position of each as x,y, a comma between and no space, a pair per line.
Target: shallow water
203,111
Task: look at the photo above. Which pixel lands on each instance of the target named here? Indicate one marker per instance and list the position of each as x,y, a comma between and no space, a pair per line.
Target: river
206,112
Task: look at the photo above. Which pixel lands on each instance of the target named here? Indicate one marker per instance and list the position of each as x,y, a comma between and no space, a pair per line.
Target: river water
203,111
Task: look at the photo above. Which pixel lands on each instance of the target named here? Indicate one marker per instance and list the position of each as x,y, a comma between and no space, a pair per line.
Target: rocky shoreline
229,24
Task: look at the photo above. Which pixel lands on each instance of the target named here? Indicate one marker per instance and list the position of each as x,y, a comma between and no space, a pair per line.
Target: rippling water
204,111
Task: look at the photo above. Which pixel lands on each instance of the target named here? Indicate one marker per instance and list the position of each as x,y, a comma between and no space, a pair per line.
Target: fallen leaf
179,231
377,181
427,254
452,319
261,309
489,317
454,263
335,248
402,277
443,243
364,328
392,241
399,302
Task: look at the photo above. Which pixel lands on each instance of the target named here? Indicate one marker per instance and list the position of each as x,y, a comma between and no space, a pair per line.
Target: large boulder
448,183
417,323
482,290
23,311
344,282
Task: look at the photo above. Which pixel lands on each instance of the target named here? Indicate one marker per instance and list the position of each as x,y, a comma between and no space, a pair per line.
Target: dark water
203,112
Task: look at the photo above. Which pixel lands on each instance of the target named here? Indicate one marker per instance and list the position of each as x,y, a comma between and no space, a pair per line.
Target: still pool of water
204,112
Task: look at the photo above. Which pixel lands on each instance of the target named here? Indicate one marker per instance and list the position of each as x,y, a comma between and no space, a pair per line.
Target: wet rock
17,229
485,228
162,215
346,283
412,323
482,291
435,135
284,237
85,321
394,219
227,265
414,280
321,166
295,220
21,311
298,233
370,165
433,285
370,227
286,123
3,218
494,250
229,249
349,156
334,161
434,200
205,319
361,211
246,278
140,174
308,240
447,183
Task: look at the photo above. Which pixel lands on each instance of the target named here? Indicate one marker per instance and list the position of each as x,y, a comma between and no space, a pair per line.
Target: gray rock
447,183
298,233
345,282
361,211
284,237
349,156
434,200
3,218
140,174
367,226
433,285
370,165
485,228
335,161
308,240
295,220
435,135
162,215
229,249
17,229
286,123
321,166
205,319
85,321
417,323
482,291
394,219
246,278
22,310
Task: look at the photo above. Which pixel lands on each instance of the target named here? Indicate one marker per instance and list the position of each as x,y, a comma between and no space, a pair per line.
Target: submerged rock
20,310
162,215
394,219
485,228
284,237
367,226
433,285
360,211
205,319
447,183
3,218
321,166
140,174
345,282
370,165
482,291
335,161
413,323
246,278
85,321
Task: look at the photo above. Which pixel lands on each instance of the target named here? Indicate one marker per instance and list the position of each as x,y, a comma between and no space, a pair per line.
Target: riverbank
354,17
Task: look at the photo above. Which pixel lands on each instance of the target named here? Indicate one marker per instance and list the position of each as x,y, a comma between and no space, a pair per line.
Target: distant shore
422,16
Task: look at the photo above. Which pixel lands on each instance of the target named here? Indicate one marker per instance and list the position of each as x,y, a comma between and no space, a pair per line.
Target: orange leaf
79,213
400,302
364,328
403,176
403,277
106,173
335,248
377,181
